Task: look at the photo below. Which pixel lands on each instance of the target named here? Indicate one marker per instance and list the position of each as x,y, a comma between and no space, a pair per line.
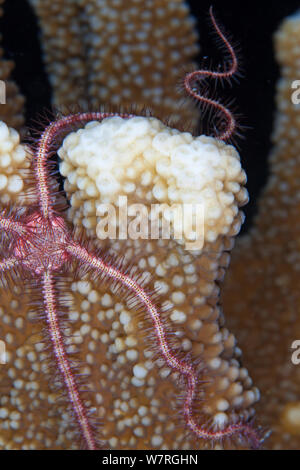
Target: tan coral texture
149,163
262,290
137,399
119,53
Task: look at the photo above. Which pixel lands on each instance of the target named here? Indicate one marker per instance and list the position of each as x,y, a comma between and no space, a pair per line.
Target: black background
251,24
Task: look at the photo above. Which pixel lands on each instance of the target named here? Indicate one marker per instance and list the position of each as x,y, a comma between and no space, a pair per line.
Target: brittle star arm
8,264
192,89
63,363
45,147
184,367
8,268
10,226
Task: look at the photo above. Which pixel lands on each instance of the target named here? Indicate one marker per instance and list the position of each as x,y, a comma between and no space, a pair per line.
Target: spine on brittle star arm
11,227
184,367
45,147
8,264
63,363
191,83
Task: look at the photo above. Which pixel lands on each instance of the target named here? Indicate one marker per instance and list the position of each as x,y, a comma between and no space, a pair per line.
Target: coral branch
184,367
63,363
261,291
134,58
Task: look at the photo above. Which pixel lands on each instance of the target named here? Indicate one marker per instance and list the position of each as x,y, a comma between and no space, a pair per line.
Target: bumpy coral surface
261,294
132,392
63,48
149,163
118,53
14,165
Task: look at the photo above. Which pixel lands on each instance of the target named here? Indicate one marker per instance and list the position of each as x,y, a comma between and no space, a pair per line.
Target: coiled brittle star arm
185,368
192,79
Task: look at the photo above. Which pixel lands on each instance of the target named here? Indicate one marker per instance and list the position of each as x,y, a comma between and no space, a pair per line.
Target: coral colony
40,247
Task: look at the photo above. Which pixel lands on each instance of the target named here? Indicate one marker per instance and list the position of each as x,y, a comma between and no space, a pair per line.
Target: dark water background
251,23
